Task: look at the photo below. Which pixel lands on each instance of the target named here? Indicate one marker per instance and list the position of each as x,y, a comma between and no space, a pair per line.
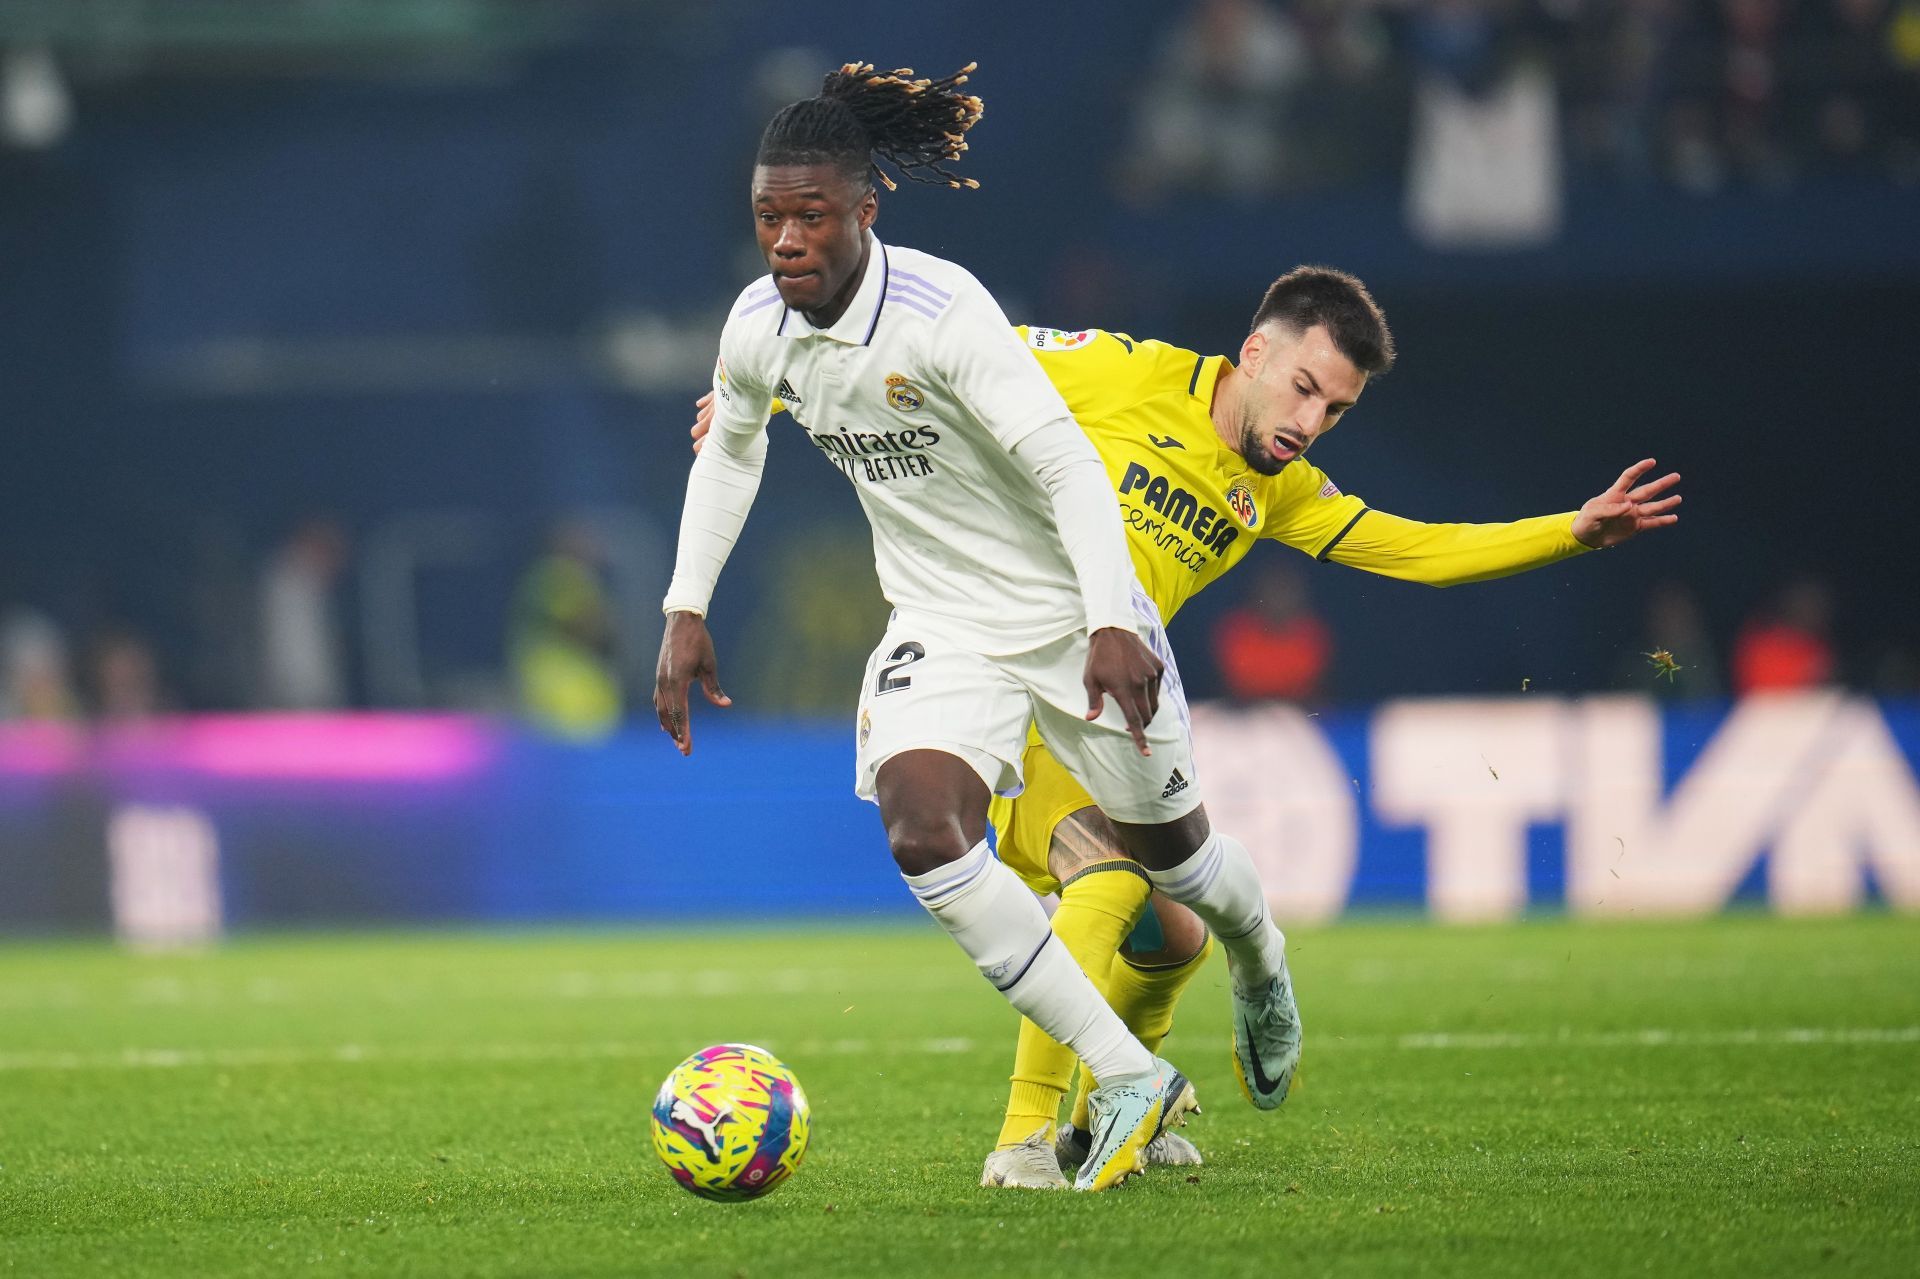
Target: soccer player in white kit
998,542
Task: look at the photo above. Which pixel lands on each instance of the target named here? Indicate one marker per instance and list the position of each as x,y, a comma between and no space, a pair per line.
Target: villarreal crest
1240,500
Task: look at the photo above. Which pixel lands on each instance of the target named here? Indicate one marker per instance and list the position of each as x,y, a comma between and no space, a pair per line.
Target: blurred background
350,346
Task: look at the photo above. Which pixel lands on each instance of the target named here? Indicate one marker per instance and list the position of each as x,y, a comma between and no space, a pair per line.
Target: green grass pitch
1739,1096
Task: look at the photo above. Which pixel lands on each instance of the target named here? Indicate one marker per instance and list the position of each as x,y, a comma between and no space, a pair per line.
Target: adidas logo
785,393
1175,785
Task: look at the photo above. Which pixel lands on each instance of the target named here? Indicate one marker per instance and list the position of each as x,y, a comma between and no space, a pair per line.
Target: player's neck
837,305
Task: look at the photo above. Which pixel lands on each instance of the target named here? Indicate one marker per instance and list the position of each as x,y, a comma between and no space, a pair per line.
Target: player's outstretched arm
1452,554
686,655
1628,508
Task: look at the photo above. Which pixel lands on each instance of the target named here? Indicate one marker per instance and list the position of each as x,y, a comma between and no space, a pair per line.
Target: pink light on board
367,747
41,748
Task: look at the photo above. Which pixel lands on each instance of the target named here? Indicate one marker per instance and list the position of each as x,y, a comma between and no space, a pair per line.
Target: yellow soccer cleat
1125,1117
1168,1150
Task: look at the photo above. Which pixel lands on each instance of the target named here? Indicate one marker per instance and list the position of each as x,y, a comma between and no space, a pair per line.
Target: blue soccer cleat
1266,1041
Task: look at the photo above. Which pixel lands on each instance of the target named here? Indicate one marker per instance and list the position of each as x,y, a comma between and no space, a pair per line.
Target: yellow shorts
1023,826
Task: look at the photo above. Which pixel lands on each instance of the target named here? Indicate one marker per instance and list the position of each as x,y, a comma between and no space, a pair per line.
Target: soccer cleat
1167,1150
1170,1150
1070,1147
1266,1041
1126,1116
1027,1166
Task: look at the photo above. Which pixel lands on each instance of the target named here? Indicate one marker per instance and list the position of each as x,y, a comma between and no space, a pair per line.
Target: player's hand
1629,507
1119,663
702,420
686,655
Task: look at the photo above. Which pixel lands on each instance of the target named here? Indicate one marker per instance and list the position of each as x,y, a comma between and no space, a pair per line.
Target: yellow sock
1144,998
1098,908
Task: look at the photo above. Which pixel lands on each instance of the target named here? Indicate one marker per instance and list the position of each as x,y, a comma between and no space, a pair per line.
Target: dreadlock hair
862,116
1310,295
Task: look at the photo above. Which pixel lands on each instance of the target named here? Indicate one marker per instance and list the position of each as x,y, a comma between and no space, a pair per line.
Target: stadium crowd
558,673
1254,97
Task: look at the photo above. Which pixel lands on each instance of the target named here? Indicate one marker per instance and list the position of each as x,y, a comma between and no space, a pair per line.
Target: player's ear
1253,352
869,208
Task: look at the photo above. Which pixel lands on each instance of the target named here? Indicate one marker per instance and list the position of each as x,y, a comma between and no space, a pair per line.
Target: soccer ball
730,1122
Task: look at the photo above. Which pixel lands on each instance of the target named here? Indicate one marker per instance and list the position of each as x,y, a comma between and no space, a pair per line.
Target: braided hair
862,117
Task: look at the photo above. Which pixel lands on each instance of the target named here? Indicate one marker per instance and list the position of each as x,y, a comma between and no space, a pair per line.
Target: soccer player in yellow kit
1206,457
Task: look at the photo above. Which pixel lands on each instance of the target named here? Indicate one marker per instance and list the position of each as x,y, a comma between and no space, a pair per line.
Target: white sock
1219,884
1003,929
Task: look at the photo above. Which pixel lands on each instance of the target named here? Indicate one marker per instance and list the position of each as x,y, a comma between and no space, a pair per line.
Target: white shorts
925,692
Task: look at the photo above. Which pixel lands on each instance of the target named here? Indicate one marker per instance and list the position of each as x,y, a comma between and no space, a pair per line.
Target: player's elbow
1060,474
1427,577
742,450
1417,572
1434,572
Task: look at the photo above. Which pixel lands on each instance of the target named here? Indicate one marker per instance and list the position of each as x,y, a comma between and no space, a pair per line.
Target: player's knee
1179,937
1181,929
921,844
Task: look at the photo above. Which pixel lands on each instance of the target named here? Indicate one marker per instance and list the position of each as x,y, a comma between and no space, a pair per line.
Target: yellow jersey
1193,507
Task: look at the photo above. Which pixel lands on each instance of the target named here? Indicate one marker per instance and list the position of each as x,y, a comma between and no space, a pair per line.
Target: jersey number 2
907,654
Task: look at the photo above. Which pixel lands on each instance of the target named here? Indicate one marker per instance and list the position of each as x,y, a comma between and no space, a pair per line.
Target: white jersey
918,394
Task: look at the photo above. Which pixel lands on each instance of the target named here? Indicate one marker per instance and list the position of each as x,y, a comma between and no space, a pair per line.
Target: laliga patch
1240,502
1059,339
902,394
1329,489
720,380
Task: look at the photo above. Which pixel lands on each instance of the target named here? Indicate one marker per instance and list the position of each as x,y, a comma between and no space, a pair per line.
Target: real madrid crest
902,394
1240,502
866,727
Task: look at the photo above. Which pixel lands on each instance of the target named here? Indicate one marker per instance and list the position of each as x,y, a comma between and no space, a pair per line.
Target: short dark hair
1310,295
862,116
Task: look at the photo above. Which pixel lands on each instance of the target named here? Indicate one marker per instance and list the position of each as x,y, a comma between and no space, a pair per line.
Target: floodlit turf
1739,1097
